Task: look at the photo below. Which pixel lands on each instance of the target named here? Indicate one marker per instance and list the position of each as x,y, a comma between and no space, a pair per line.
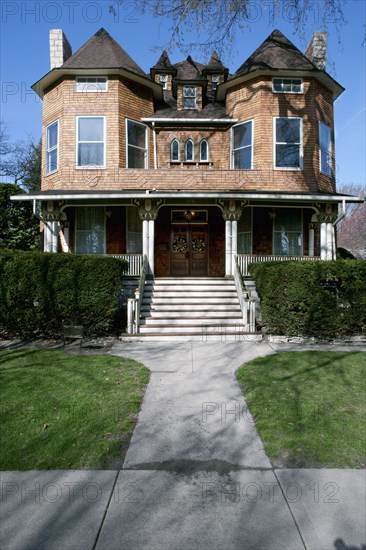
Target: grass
62,411
309,407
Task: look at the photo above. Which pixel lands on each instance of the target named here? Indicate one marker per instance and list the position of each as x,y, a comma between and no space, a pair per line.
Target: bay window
242,146
137,144
52,147
325,149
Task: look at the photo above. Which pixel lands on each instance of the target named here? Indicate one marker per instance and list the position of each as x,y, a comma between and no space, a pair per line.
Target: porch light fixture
272,214
189,214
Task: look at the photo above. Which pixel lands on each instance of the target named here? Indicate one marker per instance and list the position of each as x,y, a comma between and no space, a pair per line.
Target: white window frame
204,140
146,149
232,150
189,140
323,151
94,88
190,96
301,145
79,230
175,140
163,81
90,166
292,80
216,82
50,149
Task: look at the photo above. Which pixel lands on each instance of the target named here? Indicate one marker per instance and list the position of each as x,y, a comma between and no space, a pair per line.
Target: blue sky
25,58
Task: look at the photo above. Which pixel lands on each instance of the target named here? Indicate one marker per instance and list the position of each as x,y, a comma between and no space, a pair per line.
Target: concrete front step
190,314
192,294
193,329
215,319
189,307
190,288
187,301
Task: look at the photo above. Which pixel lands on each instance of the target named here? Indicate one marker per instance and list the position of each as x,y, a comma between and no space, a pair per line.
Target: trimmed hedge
41,292
318,298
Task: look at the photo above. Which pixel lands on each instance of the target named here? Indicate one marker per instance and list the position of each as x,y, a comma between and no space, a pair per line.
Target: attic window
215,81
91,84
287,86
163,79
189,97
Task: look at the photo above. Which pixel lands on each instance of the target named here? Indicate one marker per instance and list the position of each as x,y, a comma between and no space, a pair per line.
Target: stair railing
247,305
134,304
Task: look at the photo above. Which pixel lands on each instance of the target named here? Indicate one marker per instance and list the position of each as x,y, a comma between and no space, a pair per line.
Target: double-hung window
52,147
137,144
189,97
288,142
90,230
91,84
325,149
90,142
242,146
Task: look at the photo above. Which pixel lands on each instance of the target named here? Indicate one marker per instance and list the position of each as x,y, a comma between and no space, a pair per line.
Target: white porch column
54,238
145,238
323,241
151,243
66,239
228,248
47,237
330,241
311,241
234,244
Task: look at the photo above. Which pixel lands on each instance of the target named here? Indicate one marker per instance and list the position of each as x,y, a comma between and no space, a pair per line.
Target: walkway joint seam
289,507
105,511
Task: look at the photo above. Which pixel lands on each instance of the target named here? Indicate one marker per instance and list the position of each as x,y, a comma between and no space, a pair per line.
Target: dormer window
287,86
215,81
189,97
163,80
91,84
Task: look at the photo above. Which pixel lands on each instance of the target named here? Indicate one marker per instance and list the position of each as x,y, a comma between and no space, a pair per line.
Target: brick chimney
317,49
60,48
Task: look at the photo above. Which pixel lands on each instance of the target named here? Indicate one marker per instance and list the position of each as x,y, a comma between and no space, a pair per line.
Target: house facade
188,164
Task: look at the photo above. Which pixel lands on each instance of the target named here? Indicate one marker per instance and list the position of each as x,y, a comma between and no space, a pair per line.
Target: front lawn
309,407
63,411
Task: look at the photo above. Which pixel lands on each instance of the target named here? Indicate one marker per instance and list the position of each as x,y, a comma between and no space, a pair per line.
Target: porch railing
244,260
134,263
134,304
247,305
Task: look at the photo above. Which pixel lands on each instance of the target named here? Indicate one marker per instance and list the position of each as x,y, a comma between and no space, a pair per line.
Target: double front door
189,250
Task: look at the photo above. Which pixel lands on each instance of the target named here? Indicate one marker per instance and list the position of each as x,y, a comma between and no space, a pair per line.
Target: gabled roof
102,52
189,69
276,52
164,64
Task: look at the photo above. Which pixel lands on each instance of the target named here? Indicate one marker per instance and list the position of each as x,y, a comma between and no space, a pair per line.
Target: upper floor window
137,144
287,85
288,142
174,150
215,81
189,150
163,79
242,146
189,97
52,147
91,84
325,149
90,142
204,150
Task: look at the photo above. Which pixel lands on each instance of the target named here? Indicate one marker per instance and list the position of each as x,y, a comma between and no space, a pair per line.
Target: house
189,165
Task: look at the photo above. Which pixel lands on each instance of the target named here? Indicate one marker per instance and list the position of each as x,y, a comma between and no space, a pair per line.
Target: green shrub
41,292
320,298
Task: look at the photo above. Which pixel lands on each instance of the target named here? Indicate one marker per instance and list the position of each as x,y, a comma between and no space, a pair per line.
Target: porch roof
132,194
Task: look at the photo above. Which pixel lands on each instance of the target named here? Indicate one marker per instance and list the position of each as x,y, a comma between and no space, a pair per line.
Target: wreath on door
180,244
198,245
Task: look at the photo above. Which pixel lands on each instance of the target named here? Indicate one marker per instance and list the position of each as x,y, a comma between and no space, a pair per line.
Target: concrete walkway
195,475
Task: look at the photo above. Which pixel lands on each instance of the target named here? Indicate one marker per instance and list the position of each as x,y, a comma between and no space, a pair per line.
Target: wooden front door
189,250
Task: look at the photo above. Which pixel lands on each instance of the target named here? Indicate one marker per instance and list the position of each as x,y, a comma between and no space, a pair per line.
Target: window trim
48,150
329,152
301,145
189,97
215,83
189,140
77,231
232,150
208,150
286,92
163,83
93,91
174,140
91,167
147,141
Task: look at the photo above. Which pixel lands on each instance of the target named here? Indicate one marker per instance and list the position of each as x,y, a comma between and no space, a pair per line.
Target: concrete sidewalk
195,475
